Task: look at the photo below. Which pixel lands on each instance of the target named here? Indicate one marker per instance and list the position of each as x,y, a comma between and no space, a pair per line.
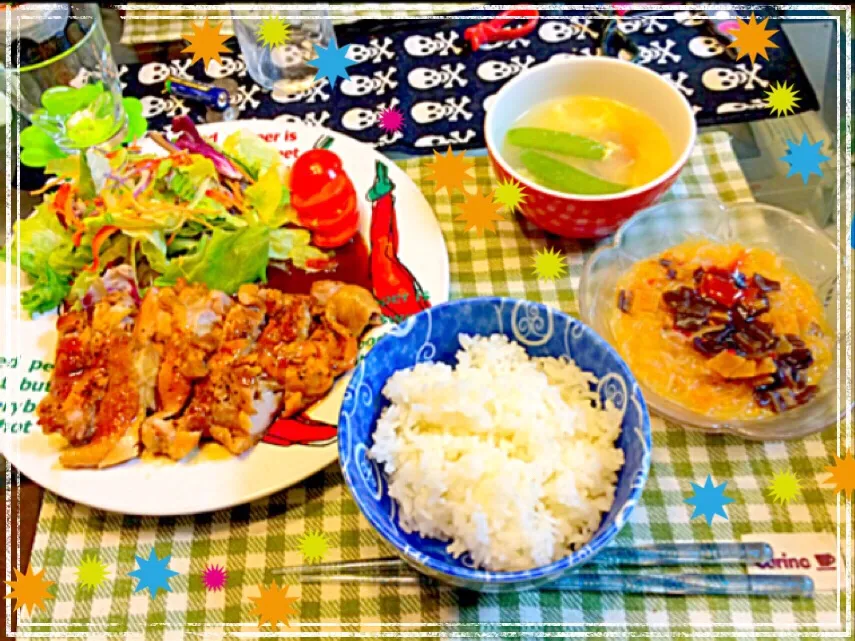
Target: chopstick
669,584
387,571
660,555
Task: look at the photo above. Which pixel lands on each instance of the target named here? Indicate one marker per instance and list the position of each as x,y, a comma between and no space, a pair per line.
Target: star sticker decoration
91,572
549,264
153,573
479,212
214,578
273,605
313,546
842,474
29,589
331,63
273,32
752,39
782,99
448,170
206,42
784,487
510,194
391,119
804,158
709,500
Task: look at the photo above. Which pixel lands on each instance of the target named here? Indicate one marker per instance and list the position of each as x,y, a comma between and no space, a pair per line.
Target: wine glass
62,76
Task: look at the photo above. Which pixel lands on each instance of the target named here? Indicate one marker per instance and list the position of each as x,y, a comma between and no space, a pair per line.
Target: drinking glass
283,68
62,75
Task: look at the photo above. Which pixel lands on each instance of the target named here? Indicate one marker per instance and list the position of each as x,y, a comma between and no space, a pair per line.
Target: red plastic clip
494,31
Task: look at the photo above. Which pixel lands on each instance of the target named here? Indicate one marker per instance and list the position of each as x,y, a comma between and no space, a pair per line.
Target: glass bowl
806,249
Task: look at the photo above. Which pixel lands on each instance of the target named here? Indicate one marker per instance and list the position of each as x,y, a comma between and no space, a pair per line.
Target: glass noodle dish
725,330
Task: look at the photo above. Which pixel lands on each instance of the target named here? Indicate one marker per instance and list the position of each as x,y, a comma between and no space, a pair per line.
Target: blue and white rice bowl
432,336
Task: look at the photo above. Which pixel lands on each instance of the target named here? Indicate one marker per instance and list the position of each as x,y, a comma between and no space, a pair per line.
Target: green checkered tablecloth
165,23
252,539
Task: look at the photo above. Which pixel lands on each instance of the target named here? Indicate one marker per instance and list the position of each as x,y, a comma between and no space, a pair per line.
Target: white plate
208,480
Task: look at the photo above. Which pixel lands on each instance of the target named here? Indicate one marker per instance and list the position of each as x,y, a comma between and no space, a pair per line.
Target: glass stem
87,185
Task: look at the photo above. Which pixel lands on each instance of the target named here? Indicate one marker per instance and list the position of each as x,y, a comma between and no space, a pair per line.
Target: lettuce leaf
224,260
81,284
252,152
48,291
295,245
68,259
153,246
270,199
46,256
38,237
131,222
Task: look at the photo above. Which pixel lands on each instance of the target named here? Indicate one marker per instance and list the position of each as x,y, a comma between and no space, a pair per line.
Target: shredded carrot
224,198
238,196
78,236
50,184
243,173
175,233
100,238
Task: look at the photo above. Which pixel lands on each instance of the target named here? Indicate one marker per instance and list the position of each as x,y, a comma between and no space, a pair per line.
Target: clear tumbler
284,67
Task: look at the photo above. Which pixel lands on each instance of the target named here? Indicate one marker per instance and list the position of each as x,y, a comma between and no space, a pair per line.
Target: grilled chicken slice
187,325
306,366
119,414
197,315
103,407
73,419
351,306
223,399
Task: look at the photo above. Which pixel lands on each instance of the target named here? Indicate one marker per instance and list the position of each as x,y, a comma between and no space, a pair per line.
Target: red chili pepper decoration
395,288
494,30
300,430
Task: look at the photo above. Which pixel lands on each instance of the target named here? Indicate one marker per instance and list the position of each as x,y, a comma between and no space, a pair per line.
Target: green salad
198,212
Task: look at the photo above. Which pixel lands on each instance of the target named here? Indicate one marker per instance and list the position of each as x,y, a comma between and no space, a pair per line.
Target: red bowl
577,216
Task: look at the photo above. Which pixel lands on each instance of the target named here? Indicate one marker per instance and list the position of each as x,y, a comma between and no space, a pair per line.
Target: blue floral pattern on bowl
432,335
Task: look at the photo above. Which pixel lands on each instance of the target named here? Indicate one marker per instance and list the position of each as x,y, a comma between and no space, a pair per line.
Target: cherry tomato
313,170
328,214
338,235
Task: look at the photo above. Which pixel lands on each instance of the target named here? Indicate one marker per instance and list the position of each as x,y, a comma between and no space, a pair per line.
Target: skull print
724,79
376,84
153,72
441,44
155,105
494,70
358,118
375,51
439,140
446,76
705,47
450,109
228,67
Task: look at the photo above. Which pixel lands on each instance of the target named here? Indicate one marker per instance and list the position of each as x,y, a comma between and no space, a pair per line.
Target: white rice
509,458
